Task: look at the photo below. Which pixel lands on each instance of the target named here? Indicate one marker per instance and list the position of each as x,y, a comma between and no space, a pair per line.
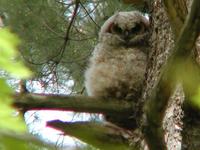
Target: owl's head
125,29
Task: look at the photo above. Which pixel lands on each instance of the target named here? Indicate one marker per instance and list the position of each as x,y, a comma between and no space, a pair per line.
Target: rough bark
162,44
71,103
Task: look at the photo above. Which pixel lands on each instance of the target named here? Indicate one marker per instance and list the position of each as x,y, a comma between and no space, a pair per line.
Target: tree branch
102,136
66,38
171,72
155,111
88,14
72,103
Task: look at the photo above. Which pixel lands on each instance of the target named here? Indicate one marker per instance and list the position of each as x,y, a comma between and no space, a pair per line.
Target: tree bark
162,42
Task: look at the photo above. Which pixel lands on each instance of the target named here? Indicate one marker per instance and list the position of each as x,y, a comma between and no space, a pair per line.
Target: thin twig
89,15
66,39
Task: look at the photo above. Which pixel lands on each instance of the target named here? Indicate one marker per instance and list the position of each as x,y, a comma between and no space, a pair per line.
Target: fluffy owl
118,63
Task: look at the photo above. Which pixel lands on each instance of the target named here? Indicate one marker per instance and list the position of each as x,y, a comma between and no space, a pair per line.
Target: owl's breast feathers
116,73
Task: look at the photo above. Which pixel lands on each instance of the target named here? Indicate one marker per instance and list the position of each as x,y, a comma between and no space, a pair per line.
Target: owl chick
118,64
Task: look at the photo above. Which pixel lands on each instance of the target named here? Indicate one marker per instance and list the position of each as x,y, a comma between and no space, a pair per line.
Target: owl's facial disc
128,33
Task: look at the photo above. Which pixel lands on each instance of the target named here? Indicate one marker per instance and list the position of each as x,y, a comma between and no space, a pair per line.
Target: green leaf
7,118
9,53
5,91
11,144
196,99
10,141
9,63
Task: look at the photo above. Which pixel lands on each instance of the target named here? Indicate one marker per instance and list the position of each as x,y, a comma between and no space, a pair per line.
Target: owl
118,63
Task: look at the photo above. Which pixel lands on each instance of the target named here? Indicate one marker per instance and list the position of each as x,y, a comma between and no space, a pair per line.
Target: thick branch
155,110
102,136
156,106
73,103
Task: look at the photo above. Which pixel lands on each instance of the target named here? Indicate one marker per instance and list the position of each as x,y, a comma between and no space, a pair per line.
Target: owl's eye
137,28
116,29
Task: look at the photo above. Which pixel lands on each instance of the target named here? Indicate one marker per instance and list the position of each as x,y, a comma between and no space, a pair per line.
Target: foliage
9,63
11,141
12,127
53,54
8,53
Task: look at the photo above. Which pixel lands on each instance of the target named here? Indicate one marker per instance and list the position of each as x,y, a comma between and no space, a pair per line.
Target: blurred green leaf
8,120
8,62
8,55
5,91
196,99
11,141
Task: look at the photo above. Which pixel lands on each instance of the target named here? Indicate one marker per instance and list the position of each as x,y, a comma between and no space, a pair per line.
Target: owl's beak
126,35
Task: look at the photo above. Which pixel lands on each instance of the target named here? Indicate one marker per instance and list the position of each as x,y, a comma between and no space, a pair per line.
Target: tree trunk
181,122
